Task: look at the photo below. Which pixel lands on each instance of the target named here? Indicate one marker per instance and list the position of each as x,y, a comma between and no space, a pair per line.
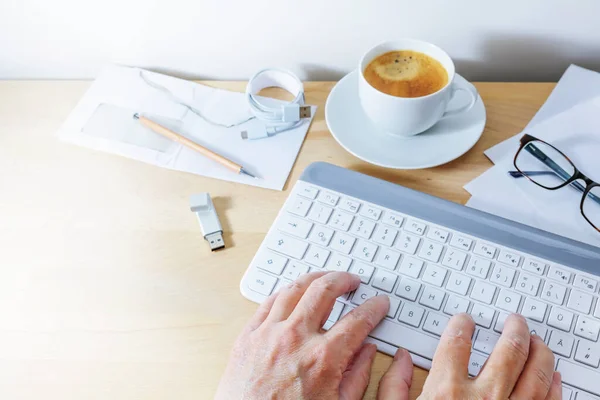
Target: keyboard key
384,280
402,336
597,310
408,289
431,251
485,250
411,266
432,298
567,393
584,396
338,262
387,258
392,219
295,226
561,343
328,198
411,314
502,275
365,271
509,258
560,319
458,283
341,220
479,267
342,243
394,305
583,282
508,301
321,235
437,234
349,205
579,377
407,243
294,270
434,275
362,294
287,245
260,282
336,311
456,305
587,328
413,226
485,341
559,274
533,309
476,362
320,213
554,292
482,315
316,256
385,235
435,323
461,242
588,353
528,284
271,262
309,192
300,206
580,301
454,259
362,227
364,250
534,266
370,212
483,292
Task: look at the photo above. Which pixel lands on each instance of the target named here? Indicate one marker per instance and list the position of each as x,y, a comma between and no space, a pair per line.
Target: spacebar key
401,336
580,377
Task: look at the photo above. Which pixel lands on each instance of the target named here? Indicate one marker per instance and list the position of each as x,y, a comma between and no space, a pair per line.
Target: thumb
395,383
356,378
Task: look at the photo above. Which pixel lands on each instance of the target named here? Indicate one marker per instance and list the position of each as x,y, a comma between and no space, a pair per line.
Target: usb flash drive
202,205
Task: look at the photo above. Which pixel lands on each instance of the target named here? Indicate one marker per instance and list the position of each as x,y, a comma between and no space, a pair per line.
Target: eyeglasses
548,167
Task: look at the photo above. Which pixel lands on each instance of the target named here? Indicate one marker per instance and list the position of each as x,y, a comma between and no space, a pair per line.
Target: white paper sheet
575,86
577,133
164,97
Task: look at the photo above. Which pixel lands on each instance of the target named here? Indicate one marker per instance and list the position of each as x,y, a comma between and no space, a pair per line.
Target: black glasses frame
569,179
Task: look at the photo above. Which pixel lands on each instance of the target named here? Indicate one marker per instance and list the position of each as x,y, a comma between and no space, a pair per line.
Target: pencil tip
243,171
136,116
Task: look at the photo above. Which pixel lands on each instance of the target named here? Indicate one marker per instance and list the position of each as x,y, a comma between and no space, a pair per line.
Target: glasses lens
591,206
544,165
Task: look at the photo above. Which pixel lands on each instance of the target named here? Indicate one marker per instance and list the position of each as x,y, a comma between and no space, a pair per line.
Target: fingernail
557,378
400,354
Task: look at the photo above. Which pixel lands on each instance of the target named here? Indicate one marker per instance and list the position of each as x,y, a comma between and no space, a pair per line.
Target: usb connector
202,205
215,240
305,112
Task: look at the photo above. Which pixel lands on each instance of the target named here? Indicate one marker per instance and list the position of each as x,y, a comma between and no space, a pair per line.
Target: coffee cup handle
470,89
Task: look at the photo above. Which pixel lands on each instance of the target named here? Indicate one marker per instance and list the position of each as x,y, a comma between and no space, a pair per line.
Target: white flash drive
202,205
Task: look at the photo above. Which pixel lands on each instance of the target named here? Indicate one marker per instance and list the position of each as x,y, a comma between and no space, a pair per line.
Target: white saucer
445,141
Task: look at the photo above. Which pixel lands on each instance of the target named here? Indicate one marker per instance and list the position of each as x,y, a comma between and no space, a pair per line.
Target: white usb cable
279,118
202,205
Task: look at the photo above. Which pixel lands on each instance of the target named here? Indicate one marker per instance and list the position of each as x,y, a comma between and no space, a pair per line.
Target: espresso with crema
406,73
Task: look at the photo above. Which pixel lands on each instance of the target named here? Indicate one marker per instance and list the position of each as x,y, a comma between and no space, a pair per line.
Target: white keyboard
431,271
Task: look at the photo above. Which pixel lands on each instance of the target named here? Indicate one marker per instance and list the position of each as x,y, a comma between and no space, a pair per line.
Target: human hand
284,353
520,367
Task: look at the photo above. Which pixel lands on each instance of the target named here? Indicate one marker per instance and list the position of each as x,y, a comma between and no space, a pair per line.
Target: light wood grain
107,290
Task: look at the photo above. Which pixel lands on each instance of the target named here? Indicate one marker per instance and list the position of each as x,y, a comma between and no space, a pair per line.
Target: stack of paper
569,120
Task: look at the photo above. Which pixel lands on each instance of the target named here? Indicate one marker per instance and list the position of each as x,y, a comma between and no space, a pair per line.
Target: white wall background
319,39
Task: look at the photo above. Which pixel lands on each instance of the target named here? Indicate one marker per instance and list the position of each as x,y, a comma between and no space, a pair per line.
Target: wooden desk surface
107,289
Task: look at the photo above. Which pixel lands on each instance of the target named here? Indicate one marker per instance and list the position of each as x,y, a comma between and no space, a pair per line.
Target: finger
503,367
555,392
349,332
261,313
451,359
290,296
536,379
317,302
356,378
395,383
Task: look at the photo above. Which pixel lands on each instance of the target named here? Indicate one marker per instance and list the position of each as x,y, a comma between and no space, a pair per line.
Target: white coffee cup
409,116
